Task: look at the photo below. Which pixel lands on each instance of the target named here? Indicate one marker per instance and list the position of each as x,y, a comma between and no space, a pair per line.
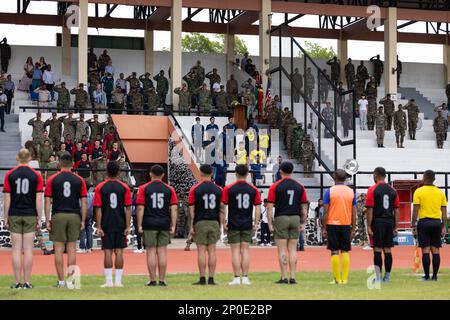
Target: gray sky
358,50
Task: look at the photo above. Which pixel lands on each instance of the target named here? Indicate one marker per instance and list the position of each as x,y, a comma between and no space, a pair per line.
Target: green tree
196,42
316,51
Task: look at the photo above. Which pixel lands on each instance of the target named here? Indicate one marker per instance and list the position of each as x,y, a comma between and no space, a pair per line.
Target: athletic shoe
292,281
343,282
268,244
16,286
246,281
118,285
27,285
107,285
138,251
60,285
200,282
367,247
386,279
434,278
151,284
333,282
187,248
88,250
235,281
162,284
423,279
81,251
211,281
282,281
262,244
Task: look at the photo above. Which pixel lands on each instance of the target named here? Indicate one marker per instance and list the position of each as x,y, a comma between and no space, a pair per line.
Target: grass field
312,285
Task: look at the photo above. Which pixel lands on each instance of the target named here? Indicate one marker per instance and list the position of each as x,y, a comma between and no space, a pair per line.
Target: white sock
119,273
108,276
61,283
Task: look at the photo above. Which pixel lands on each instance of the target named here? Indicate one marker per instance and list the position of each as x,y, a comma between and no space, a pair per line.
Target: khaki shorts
22,224
238,236
206,232
286,227
65,227
156,238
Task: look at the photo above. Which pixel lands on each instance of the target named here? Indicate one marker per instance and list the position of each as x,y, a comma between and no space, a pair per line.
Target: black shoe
200,282
211,281
2,130
301,249
434,278
151,284
292,281
282,281
27,285
16,286
162,284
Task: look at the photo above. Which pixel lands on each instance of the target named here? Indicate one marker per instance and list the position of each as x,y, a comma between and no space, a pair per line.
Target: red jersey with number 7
287,195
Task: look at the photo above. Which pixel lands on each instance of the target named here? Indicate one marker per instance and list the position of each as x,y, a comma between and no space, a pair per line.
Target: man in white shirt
265,232
3,102
362,103
49,78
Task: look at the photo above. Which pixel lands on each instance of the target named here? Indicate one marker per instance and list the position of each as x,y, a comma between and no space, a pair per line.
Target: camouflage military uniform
413,118
134,82
63,102
82,128
100,175
349,74
272,116
204,100
96,128
285,120
399,127
147,83
309,84
162,87
359,88
389,109
81,98
69,126
308,156
380,125
335,71
185,99
290,136
54,132
137,101
222,102
123,175
440,128
232,90
38,128
152,100
371,89
371,113
299,135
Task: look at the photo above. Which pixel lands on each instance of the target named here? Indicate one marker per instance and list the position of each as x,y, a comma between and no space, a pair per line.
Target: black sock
378,262
388,261
436,264
426,264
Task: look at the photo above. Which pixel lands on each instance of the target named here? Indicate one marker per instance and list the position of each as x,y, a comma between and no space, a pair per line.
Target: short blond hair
23,156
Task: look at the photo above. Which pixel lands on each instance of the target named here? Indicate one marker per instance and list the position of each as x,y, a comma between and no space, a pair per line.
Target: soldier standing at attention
63,102
222,101
134,81
335,65
362,73
204,104
440,128
380,125
137,101
55,130
399,71
447,93
349,73
185,97
69,124
371,88
413,118
377,68
81,97
297,81
324,86
162,87
82,128
213,77
309,83
38,127
232,89
147,82
400,126
96,127
308,155
371,112
389,109
152,100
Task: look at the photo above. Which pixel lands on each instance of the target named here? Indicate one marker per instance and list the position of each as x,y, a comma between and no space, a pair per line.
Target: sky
358,50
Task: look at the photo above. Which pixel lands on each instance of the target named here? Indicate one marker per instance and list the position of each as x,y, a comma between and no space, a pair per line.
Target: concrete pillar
82,41
229,45
390,51
446,58
264,40
66,52
175,47
342,55
148,42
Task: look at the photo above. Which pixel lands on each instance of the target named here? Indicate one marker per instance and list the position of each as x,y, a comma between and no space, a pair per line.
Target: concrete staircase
425,105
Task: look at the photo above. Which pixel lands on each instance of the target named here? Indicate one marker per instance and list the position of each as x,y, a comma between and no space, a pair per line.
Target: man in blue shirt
257,167
229,142
8,90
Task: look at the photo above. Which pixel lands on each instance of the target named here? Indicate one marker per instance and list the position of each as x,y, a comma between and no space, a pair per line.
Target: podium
240,116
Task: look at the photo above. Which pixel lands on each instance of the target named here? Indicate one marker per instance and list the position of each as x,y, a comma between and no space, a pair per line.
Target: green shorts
65,227
22,224
286,227
156,238
206,232
238,236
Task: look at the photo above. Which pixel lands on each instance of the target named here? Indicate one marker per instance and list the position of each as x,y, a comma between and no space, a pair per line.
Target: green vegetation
197,42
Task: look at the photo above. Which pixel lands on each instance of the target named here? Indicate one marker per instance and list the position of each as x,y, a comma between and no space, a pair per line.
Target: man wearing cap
162,87
63,101
55,130
81,97
380,125
38,126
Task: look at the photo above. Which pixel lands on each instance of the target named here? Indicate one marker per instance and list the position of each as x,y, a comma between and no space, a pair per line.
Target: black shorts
339,238
429,233
383,234
114,240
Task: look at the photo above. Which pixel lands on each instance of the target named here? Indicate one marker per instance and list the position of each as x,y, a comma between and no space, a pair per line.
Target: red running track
262,260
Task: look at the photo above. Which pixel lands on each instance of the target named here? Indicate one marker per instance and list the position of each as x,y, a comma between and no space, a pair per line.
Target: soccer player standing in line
157,208
22,202
204,210
63,193
240,197
383,213
339,203
112,203
291,203
430,206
